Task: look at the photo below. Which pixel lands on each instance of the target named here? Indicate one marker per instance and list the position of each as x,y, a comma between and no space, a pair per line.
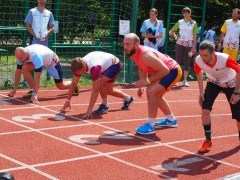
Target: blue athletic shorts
172,78
55,72
113,71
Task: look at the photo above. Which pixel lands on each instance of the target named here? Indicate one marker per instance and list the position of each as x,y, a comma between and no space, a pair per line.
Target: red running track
38,142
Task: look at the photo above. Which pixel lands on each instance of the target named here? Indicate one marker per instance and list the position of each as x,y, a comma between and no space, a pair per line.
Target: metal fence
73,38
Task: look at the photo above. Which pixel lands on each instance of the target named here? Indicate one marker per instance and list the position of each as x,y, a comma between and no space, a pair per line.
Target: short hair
207,45
134,37
77,63
236,9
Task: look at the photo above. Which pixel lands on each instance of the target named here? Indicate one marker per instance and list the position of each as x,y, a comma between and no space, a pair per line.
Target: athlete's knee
25,68
110,91
206,112
59,85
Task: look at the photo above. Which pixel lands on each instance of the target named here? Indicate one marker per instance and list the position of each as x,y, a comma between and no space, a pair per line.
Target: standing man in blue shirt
37,22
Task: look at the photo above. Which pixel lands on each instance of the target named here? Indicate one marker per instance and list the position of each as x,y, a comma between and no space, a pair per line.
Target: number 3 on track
35,117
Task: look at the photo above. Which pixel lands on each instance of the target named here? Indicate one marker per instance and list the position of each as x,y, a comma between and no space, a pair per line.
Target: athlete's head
131,43
21,54
78,66
206,51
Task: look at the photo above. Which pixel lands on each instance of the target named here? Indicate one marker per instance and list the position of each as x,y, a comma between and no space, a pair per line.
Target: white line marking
235,176
106,155
89,149
27,166
60,105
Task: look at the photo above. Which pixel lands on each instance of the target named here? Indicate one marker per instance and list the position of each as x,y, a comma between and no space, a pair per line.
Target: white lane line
89,149
27,167
60,105
148,170
106,122
235,176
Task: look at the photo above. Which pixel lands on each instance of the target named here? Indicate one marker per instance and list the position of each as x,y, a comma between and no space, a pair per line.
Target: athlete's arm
199,74
96,77
72,87
17,77
37,61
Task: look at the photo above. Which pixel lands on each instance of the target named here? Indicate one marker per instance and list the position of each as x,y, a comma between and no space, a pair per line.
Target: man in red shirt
165,72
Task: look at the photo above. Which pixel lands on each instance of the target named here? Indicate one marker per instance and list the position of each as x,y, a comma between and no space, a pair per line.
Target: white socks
151,121
105,101
127,97
170,117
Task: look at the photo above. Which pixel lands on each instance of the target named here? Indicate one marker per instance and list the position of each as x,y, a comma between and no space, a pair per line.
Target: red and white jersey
99,58
222,72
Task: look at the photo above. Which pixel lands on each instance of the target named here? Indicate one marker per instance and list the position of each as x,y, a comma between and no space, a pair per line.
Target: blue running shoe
167,123
101,110
126,104
145,129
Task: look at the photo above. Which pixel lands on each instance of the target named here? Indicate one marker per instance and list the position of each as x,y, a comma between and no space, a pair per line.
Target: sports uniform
231,39
43,57
102,63
175,70
221,77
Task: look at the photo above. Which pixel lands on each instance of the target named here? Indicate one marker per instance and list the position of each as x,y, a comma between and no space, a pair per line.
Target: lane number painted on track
35,117
86,138
174,166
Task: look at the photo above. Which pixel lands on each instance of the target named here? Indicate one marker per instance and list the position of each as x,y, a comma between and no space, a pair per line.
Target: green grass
8,60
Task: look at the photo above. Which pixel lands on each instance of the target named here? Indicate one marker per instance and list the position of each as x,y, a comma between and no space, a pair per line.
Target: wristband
148,81
235,93
34,94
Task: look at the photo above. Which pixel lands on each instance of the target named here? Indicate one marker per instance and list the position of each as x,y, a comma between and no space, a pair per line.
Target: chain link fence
84,26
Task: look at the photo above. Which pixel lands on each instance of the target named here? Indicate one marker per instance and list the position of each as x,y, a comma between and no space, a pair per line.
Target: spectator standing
37,22
161,41
210,34
152,29
230,31
186,41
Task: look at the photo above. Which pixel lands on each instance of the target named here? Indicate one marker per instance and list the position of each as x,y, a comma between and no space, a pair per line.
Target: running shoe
101,110
185,83
126,104
145,129
28,95
167,123
205,146
77,89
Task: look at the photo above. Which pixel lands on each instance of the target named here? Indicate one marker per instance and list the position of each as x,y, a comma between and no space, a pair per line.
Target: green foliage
217,10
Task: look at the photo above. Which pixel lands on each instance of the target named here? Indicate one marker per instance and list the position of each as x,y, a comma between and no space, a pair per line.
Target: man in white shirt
223,75
230,32
37,22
